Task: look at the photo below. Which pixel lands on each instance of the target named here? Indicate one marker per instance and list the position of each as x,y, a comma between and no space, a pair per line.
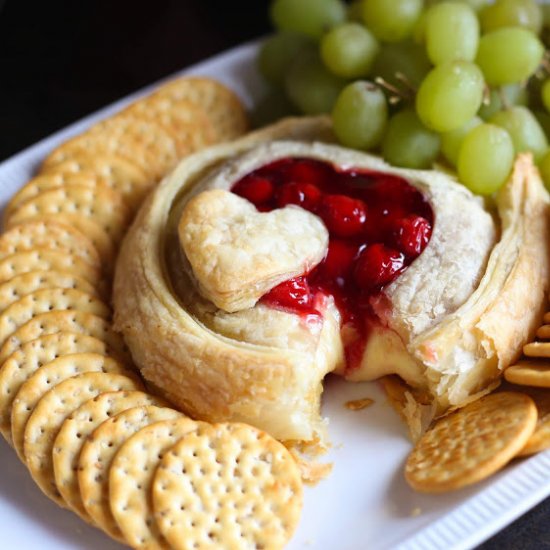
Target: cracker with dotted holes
43,259
30,357
48,234
99,238
472,443
45,182
227,486
540,440
69,320
97,455
120,174
131,480
48,299
50,375
50,413
186,120
225,111
529,372
145,142
76,430
537,349
27,283
100,204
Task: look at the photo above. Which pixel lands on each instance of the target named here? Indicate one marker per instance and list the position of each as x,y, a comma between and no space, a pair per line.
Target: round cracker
529,372
50,413
48,234
45,182
21,285
68,320
225,111
186,120
122,175
47,377
537,349
543,332
100,204
97,455
91,228
43,259
48,299
143,141
472,443
540,440
24,362
119,174
76,430
227,486
131,480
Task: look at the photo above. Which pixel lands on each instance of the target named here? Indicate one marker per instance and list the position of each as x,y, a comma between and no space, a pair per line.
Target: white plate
365,503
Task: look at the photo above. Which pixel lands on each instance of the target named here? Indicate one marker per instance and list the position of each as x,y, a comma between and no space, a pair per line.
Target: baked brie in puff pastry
259,266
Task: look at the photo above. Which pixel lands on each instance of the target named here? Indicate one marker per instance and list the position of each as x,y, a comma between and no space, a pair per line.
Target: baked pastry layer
265,366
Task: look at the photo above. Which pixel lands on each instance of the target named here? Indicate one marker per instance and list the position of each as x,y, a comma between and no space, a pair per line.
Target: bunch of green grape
463,82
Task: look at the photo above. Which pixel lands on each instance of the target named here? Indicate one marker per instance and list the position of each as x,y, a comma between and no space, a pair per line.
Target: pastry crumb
415,512
359,404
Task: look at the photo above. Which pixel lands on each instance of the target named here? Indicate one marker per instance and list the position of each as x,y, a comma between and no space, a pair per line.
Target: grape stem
503,99
486,95
399,94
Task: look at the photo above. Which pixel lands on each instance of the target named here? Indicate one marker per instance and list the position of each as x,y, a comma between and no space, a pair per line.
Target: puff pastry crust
263,366
238,254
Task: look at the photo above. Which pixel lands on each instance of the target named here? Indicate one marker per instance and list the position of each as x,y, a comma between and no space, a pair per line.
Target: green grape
391,20
276,54
452,141
485,158
452,32
408,143
545,94
348,50
310,86
512,13
271,107
450,95
500,98
544,169
509,55
310,17
524,129
404,58
476,5
360,115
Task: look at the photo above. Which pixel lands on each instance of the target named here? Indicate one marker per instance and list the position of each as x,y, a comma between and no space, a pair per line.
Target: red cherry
256,189
307,171
343,216
338,263
305,195
294,293
377,266
412,234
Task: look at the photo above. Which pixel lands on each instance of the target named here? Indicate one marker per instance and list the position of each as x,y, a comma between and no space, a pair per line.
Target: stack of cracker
71,403
470,444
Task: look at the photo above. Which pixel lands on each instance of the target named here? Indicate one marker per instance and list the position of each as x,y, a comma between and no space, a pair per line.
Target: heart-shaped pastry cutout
238,254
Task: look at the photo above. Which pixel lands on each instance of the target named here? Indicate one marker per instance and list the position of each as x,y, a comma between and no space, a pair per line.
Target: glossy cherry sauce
378,224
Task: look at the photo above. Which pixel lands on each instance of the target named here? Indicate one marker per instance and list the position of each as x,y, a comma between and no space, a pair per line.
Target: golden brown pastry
221,350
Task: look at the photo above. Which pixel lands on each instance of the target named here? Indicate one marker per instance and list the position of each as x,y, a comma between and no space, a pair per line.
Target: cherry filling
378,224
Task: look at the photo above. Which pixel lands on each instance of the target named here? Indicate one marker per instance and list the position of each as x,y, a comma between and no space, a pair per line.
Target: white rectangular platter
365,503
